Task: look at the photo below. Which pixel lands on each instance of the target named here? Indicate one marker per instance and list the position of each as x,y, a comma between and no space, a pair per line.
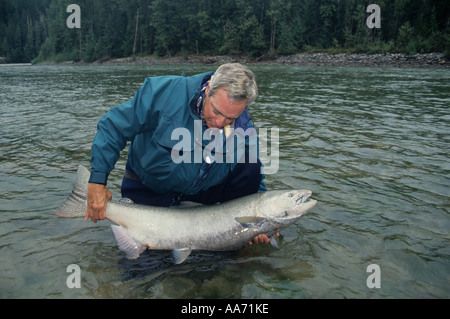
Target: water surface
372,144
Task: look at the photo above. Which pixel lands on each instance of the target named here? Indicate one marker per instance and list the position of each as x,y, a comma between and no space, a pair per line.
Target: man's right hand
97,197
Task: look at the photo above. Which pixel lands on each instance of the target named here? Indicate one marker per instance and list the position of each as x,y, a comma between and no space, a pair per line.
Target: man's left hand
262,239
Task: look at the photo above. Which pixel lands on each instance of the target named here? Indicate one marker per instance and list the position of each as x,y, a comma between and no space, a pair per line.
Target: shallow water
372,144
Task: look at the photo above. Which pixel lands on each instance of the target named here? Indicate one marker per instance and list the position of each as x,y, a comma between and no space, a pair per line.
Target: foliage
36,29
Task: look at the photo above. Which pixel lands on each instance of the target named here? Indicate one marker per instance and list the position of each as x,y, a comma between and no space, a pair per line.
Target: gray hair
237,80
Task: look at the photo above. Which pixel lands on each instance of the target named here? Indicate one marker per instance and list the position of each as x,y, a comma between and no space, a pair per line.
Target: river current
372,144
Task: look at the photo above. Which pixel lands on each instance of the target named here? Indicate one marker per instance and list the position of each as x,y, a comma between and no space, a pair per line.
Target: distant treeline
36,30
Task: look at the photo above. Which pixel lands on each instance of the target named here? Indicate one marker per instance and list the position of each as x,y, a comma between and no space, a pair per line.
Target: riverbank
386,60
436,60
15,64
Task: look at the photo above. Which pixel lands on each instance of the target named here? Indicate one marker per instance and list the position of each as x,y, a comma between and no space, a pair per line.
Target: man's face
219,111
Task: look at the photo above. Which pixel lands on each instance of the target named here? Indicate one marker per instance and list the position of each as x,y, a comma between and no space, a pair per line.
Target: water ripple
372,145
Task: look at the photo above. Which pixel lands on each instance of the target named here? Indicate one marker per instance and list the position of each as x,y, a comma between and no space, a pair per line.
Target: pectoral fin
273,242
180,255
126,243
250,221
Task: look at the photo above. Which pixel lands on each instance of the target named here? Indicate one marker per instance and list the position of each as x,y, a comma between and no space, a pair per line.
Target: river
372,144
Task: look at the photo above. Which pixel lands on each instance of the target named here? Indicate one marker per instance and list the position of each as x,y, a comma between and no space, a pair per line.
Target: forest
37,30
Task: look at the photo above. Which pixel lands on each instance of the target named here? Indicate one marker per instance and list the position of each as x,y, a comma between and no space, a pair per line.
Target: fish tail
75,204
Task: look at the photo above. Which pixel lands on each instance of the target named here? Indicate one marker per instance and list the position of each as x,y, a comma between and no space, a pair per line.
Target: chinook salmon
221,227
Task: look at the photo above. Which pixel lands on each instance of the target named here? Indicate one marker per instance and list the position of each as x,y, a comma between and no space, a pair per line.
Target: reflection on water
371,143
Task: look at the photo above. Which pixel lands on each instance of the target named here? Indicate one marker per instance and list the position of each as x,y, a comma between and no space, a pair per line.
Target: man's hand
262,239
97,197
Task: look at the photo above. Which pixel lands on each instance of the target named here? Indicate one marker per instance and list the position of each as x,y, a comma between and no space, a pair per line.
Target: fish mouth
303,198
302,205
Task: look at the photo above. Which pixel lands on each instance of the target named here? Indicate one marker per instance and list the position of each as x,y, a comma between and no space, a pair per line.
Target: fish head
284,207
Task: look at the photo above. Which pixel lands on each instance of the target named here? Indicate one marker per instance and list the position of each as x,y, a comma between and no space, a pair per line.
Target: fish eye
291,194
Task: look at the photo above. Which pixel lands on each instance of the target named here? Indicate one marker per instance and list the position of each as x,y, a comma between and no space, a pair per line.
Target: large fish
221,227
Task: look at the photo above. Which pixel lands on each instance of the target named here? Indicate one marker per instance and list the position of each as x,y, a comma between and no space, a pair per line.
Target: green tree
36,29
405,39
166,21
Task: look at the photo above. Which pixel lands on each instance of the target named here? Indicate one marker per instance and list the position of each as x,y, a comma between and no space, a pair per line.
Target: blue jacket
162,105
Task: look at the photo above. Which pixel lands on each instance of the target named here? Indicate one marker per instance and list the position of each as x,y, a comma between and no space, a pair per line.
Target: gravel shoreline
426,60
387,60
306,59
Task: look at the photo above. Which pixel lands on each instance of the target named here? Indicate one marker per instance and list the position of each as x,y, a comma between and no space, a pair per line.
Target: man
213,101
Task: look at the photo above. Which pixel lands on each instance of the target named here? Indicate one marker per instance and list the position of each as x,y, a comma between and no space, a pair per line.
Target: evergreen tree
36,29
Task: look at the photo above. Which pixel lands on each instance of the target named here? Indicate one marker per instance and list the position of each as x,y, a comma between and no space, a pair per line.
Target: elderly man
215,101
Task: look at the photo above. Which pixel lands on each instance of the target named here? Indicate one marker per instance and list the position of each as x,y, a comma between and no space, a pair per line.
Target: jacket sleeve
120,125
